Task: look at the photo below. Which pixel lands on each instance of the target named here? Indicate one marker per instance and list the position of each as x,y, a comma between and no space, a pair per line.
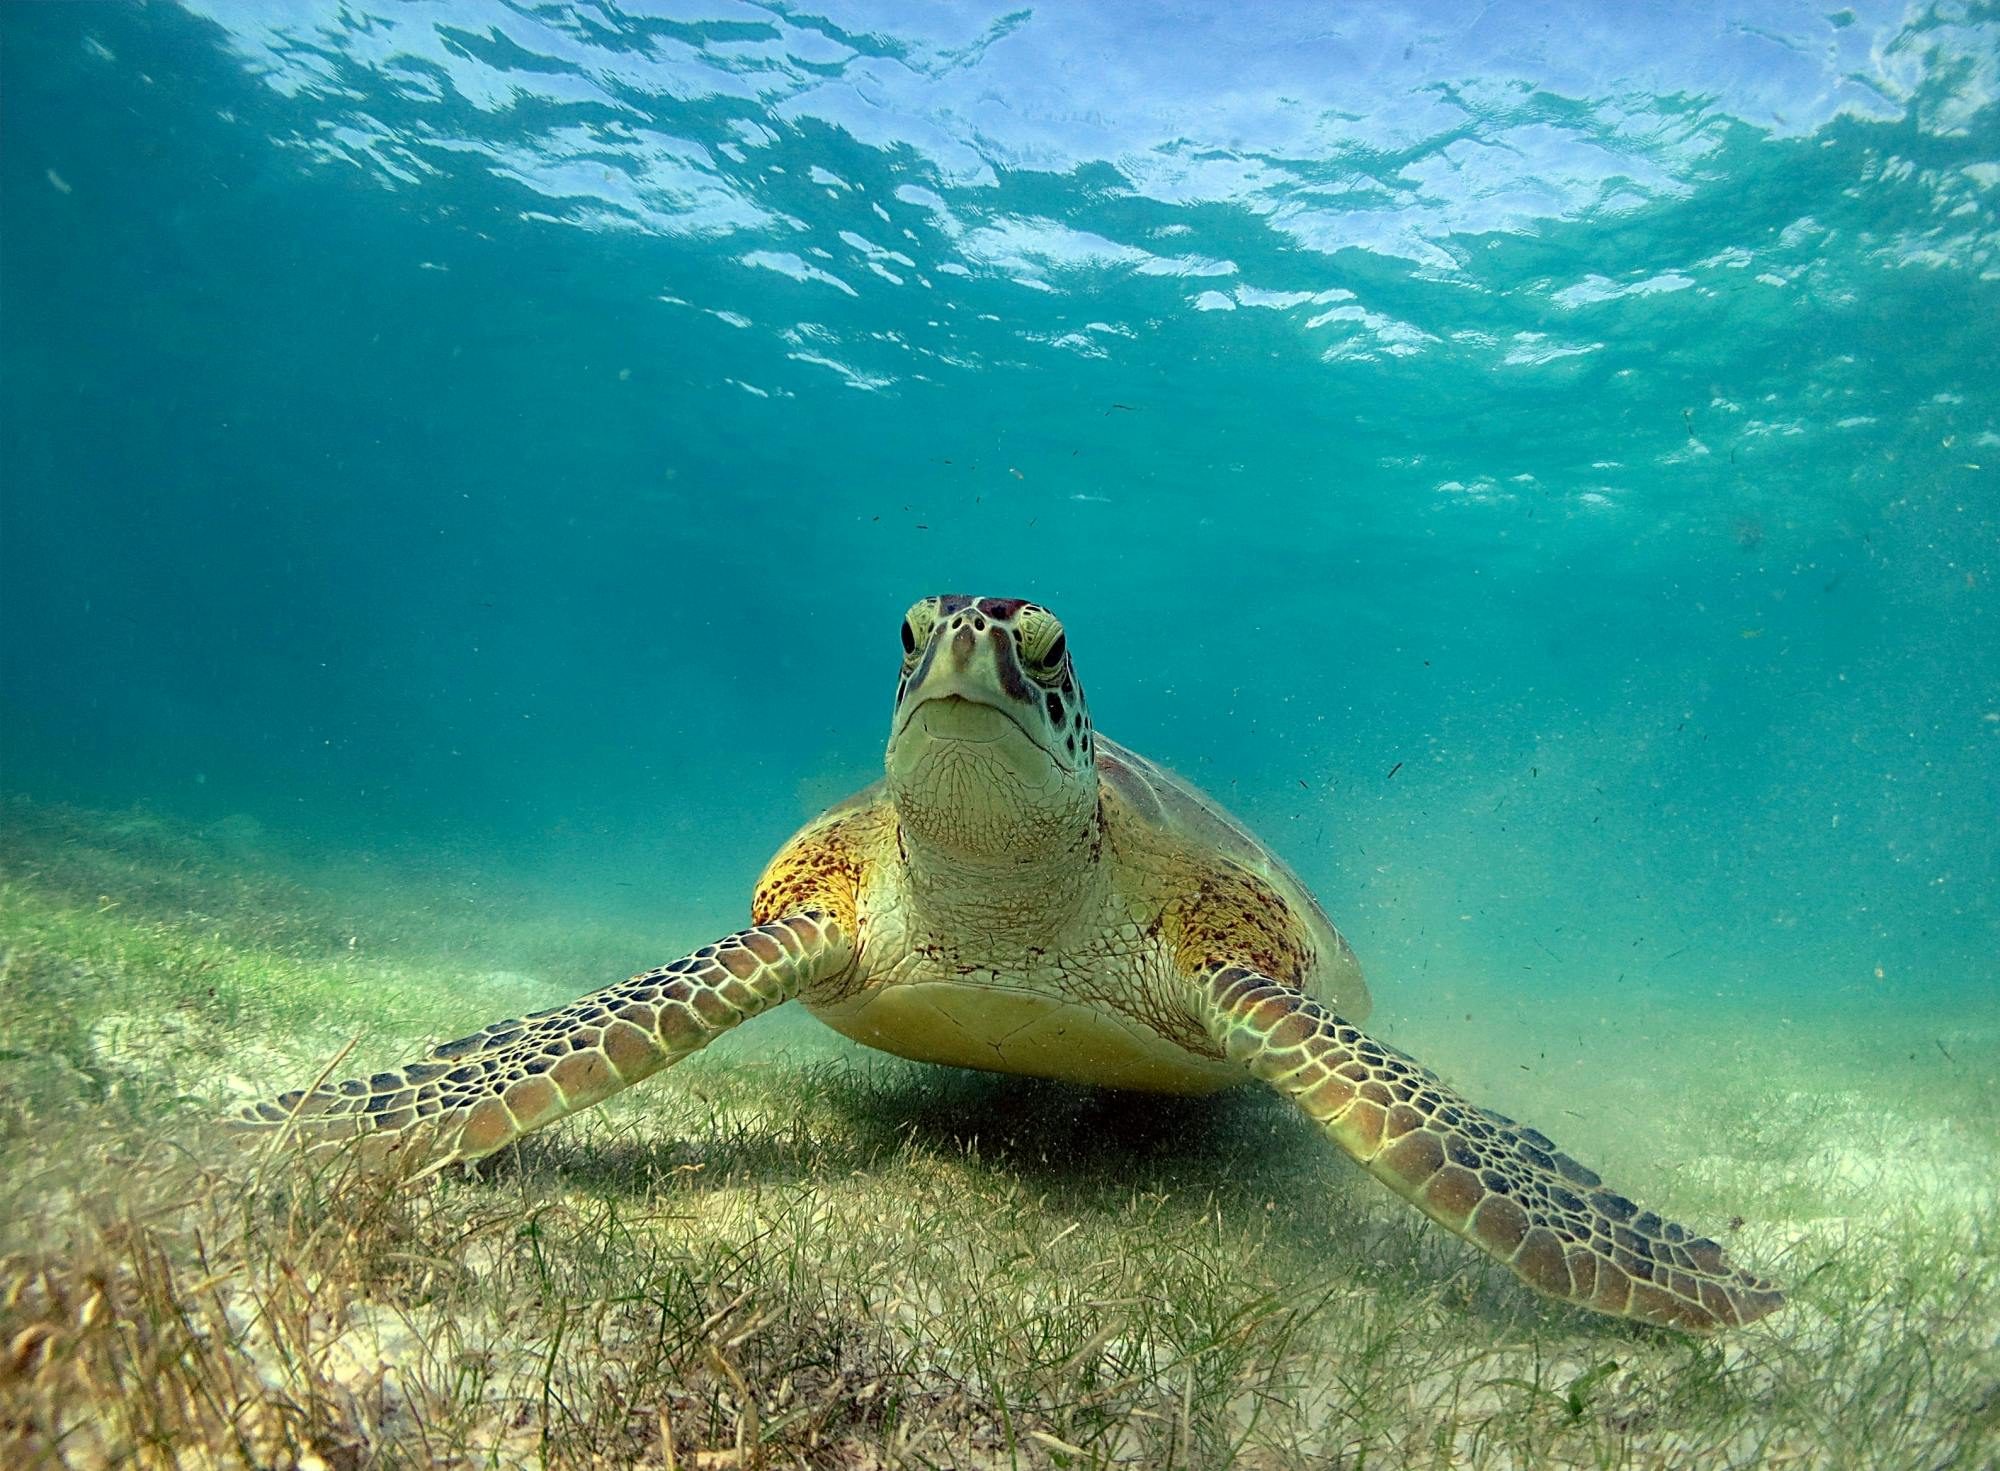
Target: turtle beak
972,768
968,686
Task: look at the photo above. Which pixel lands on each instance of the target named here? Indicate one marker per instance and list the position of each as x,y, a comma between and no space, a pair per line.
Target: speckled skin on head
1022,895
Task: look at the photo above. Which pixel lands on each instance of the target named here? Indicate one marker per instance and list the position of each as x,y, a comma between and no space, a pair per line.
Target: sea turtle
1022,895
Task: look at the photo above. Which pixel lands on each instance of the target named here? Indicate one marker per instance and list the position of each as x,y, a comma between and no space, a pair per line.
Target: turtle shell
1177,806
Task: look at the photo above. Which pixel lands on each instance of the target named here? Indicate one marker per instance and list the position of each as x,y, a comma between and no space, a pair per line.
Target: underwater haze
523,427
1537,464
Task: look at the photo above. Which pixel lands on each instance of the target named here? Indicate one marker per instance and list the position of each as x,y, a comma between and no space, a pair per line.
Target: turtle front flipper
1499,1184
468,1098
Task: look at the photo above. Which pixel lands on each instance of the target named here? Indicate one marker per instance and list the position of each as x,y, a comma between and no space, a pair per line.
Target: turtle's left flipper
468,1098
1497,1183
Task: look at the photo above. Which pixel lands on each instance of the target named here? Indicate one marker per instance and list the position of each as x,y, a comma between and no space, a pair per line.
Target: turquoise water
1536,463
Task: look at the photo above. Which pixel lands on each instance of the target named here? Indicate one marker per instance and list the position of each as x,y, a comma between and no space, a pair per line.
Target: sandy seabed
789,1252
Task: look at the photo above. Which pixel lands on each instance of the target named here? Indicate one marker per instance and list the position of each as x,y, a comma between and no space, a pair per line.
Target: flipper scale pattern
469,1097
1501,1185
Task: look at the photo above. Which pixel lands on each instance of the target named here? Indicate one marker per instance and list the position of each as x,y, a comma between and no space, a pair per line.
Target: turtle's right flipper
1501,1185
468,1098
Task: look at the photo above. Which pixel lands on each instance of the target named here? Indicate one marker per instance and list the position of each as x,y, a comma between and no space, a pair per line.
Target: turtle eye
917,628
1049,662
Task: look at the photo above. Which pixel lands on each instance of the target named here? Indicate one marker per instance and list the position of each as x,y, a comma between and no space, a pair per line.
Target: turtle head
990,756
